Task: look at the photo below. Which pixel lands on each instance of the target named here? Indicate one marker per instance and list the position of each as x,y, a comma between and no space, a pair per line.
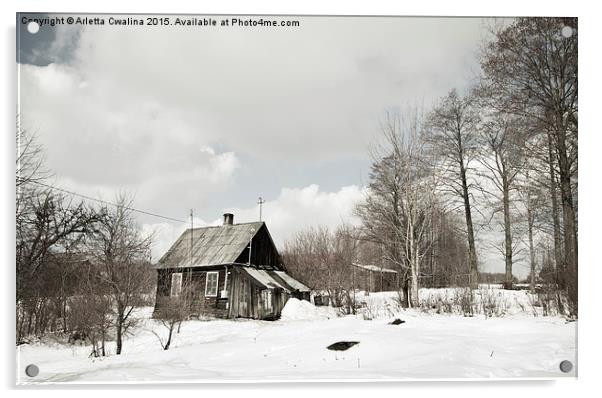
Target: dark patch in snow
342,345
397,322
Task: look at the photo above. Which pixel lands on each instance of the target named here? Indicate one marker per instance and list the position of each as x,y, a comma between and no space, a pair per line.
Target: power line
106,202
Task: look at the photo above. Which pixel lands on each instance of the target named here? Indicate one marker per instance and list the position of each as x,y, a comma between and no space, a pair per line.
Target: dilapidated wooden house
232,270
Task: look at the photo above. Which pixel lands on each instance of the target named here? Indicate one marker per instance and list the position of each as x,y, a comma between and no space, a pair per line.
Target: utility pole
191,234
260,202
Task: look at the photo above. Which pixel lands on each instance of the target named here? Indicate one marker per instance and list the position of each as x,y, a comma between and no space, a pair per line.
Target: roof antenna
191,233
260,202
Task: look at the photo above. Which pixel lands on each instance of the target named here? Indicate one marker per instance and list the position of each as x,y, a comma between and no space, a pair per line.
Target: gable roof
210,245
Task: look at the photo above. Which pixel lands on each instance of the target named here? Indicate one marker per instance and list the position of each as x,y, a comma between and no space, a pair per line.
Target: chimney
228,219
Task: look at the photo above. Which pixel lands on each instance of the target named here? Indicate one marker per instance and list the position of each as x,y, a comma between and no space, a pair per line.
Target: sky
211,118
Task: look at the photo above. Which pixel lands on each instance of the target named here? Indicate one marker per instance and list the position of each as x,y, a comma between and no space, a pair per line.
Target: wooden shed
373,278
232,270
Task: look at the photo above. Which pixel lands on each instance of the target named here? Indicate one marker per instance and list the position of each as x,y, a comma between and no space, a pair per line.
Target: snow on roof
210,245
295,284
375,268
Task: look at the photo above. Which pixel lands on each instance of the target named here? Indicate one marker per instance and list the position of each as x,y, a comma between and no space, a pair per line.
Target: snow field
427,345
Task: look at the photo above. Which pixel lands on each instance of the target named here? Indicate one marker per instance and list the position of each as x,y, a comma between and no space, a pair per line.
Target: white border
590,272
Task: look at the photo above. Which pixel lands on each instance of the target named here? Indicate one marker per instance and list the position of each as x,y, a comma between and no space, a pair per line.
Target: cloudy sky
211,118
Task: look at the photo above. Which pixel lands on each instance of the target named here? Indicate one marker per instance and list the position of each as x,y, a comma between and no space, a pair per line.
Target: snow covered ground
427,345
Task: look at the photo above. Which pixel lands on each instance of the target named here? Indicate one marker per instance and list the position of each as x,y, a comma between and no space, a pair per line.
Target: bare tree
502,154
121,253
92,310
50,225
531,69
323,259
30,169
173,312
398,208
50,228
453,129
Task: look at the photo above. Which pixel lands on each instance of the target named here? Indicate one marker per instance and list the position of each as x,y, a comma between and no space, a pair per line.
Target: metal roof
293,283
264,278
210,246
374,268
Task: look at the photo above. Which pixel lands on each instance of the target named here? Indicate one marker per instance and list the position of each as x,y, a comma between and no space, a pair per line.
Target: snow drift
302,310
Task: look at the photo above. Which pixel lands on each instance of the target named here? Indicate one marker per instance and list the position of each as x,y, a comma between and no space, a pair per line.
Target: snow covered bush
466,300
492,302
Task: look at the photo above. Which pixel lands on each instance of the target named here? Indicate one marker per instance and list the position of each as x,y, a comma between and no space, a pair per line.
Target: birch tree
397,211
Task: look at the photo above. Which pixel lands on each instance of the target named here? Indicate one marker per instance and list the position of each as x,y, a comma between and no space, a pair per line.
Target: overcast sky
213,118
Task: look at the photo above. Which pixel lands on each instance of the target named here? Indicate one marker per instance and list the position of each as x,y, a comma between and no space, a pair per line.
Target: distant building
373,278
234,271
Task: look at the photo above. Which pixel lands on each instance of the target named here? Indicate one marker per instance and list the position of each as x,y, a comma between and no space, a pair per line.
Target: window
267,300
176,284
211,284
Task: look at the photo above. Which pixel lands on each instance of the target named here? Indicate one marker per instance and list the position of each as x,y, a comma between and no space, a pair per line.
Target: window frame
178,287
267,300
216,273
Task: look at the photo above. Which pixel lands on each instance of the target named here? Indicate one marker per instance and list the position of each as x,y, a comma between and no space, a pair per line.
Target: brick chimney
228,219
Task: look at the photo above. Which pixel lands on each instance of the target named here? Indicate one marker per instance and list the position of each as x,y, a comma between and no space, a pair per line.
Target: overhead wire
148,213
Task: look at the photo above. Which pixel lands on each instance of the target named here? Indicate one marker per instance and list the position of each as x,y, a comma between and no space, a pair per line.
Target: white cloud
296,209
95,146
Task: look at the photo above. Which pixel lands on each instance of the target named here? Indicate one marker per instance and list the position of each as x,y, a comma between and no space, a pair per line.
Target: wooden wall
263,251
374,281
202,305
212,306
246,297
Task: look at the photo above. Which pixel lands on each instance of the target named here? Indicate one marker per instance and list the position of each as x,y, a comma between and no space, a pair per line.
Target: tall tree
47,223
503,139
453,129
397,211
531,69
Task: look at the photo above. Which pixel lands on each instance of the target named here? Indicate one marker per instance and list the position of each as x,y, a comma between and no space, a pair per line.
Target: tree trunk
507,234
119,332
414,290
405,287
472,254
415,280
64,310
531,247
568,217
558,258
168,342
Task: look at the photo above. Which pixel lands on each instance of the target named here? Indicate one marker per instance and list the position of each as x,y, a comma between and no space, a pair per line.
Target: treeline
81,270
499,159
